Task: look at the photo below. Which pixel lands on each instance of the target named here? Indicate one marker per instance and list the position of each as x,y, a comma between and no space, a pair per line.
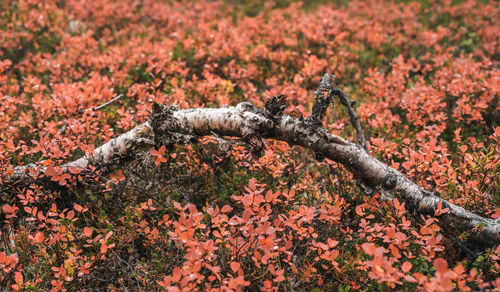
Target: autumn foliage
426,78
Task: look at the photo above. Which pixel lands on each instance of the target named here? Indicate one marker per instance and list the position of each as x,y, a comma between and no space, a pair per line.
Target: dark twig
323,98
349,103
460,244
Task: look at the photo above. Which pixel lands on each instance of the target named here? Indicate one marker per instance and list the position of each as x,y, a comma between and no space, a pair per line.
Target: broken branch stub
322,99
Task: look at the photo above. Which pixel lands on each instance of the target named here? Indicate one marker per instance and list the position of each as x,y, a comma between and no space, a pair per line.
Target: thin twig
104,105
460,244
62,131
349,103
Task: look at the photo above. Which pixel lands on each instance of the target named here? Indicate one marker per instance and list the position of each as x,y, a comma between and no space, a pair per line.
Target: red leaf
440,209
407,165
159,155
7,209
19,278
87,231
252,184
369,248
176,275
332,243
75,170
108,235
406,267
226,209
359,211
280,278
497,212
78,208
50,171
178,206
441,266
39,237
235,266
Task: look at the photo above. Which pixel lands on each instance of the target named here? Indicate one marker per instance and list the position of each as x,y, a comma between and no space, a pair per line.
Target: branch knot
275,107
167,129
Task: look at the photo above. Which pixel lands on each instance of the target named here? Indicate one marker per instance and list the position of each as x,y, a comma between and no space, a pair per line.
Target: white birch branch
168,125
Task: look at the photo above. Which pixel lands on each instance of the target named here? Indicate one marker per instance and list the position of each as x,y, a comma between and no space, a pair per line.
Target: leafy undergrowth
427,80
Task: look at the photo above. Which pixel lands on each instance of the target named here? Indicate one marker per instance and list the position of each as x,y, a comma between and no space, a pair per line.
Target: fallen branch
169,125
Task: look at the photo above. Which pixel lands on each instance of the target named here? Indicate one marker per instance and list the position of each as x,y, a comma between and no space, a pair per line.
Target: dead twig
106,104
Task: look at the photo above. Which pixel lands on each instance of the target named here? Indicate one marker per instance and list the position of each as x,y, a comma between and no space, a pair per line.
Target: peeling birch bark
107,157
169,125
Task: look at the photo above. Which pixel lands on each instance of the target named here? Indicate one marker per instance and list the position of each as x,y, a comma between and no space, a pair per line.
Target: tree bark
169,125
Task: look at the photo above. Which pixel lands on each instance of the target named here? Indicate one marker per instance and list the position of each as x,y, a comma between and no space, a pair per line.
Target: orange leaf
235,266
7,209
87,231
406,267
226,209
78,208
359,211
332,243
39,237
50,171
369,248
108,235
75,170
441,266
497,214
176,275
19,278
